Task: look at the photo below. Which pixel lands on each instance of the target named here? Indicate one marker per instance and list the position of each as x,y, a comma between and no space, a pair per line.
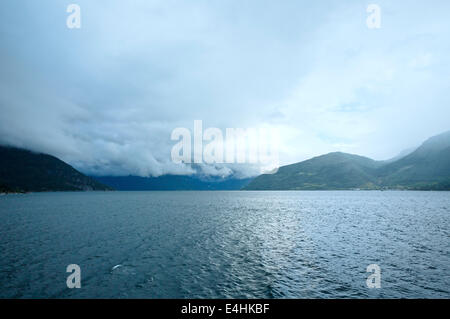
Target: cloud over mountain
106,97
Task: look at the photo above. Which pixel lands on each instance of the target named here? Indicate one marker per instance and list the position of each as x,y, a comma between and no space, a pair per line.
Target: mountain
330,171
401,155
172,182
426,168
25,171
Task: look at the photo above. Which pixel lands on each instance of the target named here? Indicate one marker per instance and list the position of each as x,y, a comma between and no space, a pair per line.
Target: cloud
106,97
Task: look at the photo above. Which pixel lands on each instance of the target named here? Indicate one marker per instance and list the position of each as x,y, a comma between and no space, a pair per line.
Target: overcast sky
106,97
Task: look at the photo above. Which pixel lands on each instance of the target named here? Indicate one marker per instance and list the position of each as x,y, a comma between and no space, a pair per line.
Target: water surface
225,244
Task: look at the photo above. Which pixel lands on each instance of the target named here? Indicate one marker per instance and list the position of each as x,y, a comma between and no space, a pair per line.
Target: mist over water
225,244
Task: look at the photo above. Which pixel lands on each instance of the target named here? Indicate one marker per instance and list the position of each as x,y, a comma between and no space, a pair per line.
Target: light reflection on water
225,244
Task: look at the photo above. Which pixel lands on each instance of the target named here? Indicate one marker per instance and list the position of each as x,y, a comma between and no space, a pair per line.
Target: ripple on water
225,244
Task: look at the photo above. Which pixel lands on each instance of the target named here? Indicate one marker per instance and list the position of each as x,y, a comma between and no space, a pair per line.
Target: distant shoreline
237,190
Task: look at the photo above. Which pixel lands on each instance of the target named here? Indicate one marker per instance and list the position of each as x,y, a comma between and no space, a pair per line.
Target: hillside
427,168
25,171
330,171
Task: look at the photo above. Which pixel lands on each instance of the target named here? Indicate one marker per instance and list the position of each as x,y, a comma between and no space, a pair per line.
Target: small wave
115,267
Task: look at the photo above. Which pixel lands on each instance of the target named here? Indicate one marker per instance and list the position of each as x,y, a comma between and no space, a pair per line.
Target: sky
106,97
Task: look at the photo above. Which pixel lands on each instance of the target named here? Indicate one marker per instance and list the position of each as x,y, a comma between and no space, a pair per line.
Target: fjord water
225,244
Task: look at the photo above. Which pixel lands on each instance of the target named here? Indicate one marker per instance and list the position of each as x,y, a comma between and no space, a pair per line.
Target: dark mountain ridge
426,168
26,171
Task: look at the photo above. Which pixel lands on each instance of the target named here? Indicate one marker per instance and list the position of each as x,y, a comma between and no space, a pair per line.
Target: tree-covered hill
427,168
26,171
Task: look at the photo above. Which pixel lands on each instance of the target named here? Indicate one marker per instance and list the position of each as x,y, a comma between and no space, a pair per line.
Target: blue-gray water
225,244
